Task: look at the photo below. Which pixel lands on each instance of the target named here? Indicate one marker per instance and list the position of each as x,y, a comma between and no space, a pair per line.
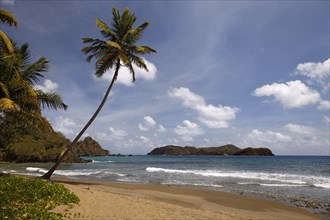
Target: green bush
22,198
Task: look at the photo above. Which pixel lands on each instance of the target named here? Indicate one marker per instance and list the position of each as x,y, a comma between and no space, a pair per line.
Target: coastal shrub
23,198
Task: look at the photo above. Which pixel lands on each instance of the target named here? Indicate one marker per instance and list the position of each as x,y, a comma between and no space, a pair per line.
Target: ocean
303,181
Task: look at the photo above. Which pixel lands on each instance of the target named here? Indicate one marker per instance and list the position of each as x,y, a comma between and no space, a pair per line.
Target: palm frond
4,93
9,47
7,17
7,104
50,100
34,71
139,62
114,45
105,30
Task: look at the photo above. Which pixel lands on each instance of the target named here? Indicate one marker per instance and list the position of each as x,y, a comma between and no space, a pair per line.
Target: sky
248,73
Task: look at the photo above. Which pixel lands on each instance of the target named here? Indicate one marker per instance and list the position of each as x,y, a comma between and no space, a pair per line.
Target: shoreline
112,200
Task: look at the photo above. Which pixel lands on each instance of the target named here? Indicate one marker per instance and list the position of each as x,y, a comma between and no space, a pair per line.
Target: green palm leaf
50,100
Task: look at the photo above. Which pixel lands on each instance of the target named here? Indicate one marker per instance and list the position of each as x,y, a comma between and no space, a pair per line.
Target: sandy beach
108,200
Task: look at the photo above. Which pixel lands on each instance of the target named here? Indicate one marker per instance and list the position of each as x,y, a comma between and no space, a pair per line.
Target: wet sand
109,200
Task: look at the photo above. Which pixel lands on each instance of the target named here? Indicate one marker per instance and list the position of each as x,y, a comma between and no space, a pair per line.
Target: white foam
274,178
98,161
36,169
176,182
83,172
282,185
323,185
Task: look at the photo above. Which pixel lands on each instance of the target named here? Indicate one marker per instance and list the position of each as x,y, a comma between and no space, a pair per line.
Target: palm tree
7,17
118,49
20,101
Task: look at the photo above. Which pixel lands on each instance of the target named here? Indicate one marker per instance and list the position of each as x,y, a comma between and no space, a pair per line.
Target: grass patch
23,198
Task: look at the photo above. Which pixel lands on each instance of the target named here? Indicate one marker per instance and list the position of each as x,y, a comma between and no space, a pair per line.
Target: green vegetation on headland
23,198
25,134
228,149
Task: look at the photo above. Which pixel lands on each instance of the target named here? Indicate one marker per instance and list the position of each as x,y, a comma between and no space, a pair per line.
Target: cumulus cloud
65,125
210,115
150,123
189,98
268,136
188,130
117,134
300,129
293,94
48,86
318,72
125,76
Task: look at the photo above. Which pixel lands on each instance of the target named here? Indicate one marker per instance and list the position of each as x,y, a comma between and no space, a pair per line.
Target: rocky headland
228,149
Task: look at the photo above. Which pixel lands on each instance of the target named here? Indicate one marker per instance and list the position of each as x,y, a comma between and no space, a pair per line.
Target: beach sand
108,200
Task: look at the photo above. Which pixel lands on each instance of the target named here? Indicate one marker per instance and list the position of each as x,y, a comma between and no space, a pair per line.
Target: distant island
228,149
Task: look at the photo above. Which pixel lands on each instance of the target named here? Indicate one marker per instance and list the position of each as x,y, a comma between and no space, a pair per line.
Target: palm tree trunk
54,167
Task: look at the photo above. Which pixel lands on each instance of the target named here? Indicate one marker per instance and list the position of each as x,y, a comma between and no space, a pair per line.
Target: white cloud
324,105
48,86
210,115
326,120
150,123
188,130
145,139
268,136
161,128
103,136
189,98
65,125
125,77
315,71
293,94
142,128
300,129
216,116
118,134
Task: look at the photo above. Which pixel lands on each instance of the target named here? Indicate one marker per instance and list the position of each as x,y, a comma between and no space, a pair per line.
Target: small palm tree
117,50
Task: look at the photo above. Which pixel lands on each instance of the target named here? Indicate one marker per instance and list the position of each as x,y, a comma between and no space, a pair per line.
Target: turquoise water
298,180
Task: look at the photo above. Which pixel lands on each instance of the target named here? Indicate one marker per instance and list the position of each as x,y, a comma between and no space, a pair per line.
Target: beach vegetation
117,49
23,198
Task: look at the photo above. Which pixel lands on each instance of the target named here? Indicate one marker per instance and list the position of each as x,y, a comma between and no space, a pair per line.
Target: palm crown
119,47
20,101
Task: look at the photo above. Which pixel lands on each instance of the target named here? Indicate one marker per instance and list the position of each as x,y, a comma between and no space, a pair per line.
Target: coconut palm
118,49
20,101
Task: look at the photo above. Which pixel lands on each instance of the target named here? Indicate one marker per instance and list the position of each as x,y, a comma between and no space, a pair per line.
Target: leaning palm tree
118,49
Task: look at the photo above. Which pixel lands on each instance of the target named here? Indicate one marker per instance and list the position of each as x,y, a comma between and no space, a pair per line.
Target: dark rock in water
222,150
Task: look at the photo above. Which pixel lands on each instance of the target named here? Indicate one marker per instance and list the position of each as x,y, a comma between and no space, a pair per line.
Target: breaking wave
269,179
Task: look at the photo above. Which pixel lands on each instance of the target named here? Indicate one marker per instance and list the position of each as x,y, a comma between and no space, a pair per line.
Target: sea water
300,180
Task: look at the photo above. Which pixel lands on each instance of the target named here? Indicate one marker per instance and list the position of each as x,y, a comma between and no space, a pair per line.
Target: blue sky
249,73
